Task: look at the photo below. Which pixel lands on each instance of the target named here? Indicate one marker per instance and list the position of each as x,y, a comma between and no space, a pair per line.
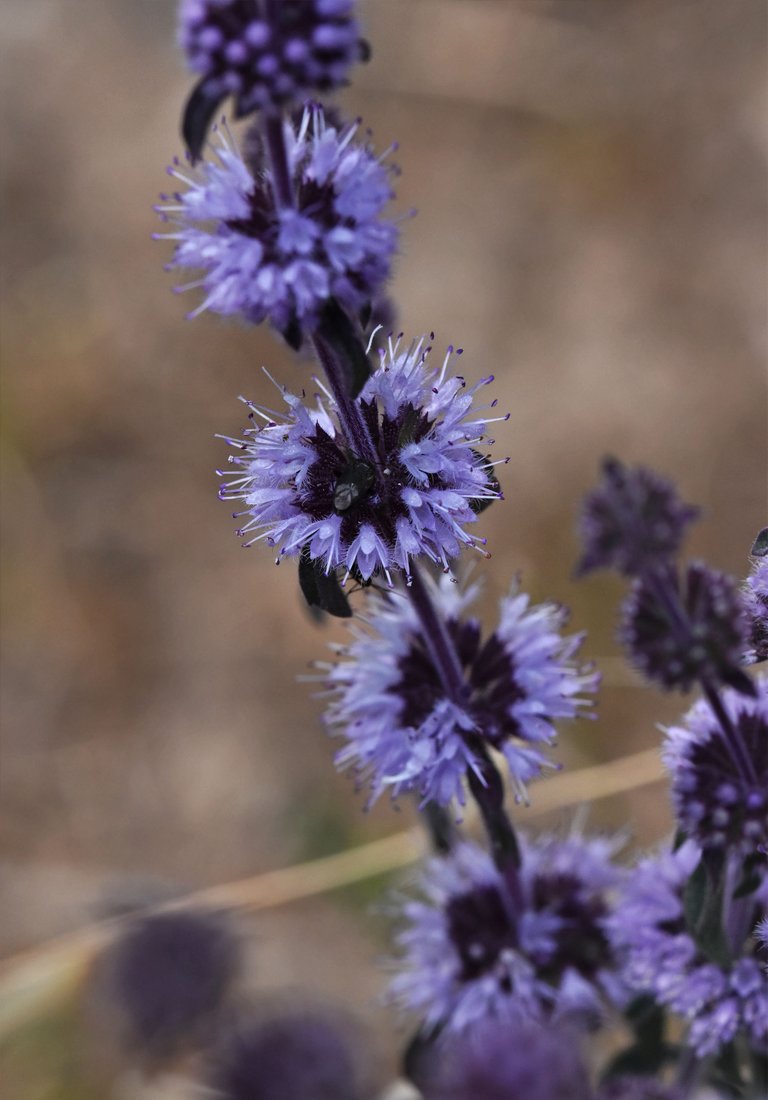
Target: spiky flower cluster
261,259
472,950
721,794
269,52
509,1060
404,732
291,1056
678,634
718,1000
632,521
305,489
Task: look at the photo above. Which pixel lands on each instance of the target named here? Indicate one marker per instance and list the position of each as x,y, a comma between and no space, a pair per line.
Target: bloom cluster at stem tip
660,957
306,490
471,952
403,732
269,52
263,260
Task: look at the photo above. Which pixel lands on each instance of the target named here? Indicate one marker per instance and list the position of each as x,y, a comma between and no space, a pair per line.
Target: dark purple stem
274,136
733,739
438,640
348,411
485,782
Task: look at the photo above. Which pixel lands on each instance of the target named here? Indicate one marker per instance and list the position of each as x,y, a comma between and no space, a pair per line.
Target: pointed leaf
199,110
321,590
760,545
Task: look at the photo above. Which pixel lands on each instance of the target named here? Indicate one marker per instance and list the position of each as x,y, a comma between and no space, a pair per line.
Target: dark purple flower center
489,675
581,944
480,929
716,801
338,483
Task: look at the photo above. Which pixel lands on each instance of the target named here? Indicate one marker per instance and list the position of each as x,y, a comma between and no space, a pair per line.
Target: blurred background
590,180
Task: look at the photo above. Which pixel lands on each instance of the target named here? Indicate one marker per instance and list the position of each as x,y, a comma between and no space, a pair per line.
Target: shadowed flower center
480,928
723,802
337,482
581,944
489,675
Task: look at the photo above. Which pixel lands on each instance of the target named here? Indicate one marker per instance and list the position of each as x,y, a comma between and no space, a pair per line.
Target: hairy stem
274,137
350,417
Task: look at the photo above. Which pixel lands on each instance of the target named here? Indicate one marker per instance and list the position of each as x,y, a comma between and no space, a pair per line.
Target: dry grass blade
41,975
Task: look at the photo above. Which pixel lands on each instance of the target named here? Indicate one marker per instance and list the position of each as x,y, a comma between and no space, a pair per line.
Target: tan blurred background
590,183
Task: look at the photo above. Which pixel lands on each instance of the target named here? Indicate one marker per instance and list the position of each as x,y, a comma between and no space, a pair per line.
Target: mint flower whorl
715,801
660,958
634,520
263,261
269,53
755,596
168,976
467,956
305,489
404,734
703,638
513,1060
296,1056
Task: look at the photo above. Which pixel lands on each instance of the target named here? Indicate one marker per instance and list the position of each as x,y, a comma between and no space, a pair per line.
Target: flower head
304,488
404,733
648,929
298,1056
719,800
632,521
513,1060
265,53
755,596
260,260
470,954
703,641
167,976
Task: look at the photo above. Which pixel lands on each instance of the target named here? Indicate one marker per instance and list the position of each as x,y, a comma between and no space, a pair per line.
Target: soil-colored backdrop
589,177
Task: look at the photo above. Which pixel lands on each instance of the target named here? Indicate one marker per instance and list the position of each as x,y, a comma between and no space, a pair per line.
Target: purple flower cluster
167,976
305,489
269,52
510,1060
404,732
661,958
294,1056
721,796
678,638
633,521
471,951
262,259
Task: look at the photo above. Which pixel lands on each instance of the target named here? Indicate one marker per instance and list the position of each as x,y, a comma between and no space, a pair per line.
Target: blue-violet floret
304,488
269,52
262,260
721,799
632,521
648,929
403,732
469,952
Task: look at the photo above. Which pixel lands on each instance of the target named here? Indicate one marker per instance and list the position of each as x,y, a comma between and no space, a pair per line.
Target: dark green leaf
199,110
703,908
760,545
324,592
